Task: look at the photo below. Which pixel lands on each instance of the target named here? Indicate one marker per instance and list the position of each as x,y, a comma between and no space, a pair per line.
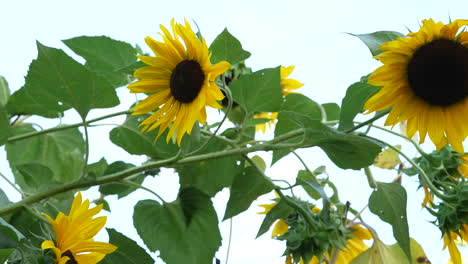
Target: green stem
54,129
301,210
370,178
171,162
86,157
365,123
136,185
12,184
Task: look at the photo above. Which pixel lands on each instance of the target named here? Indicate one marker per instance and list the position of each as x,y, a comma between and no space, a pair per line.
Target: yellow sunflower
451,239
463,168
288,86
425,80
180,80
74,235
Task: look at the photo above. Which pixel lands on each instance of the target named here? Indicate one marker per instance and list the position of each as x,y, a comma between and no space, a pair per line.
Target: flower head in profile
180,80
74,243
451,239
424,80
288,86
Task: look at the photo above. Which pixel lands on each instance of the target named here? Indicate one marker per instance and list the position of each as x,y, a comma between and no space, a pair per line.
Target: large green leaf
355,98
36,177
259,91
297,103
211,176
374,40
4,91
182,231
62,152
5,253
227,48
121,190
56,82
383,254
345,150
105,56
4,125
247,186
129,137
128,251
389,203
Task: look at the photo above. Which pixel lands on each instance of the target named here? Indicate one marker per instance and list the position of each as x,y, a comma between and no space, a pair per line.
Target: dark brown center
186,81
69,254
438,72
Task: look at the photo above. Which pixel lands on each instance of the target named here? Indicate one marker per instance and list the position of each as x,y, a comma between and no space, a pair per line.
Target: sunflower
354,247
74,235
450,241
425,80
463,168
288,86
180,81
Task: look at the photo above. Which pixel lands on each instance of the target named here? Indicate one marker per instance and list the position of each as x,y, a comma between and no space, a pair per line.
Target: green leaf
105,56
36,177
97,169
305,176
227,48
345,150
383,254
211,176
353,102
179,239
56,82
128,251
247,186
121,190
374,40
129,137
259,91
9,235
312,184
4,126
62,152
297,103
389,203
332,110
280,211
5,253
3,199
4,91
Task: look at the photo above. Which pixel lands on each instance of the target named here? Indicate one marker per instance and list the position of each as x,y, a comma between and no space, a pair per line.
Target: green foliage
280,211
128,251
355,98
4,91
62,152
389,203
129,137
191,225
247,186
56,82
259,91
383,254
110,58
4,126
227,48
210,176
332,110
374,40
5,253
120,189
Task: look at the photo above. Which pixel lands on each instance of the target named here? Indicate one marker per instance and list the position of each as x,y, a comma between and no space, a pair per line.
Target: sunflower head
425,80
74,234
180,80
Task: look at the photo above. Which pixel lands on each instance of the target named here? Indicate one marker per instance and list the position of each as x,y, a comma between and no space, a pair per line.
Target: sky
308,34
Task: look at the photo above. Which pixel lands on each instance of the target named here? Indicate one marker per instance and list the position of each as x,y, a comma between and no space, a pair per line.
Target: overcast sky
307,34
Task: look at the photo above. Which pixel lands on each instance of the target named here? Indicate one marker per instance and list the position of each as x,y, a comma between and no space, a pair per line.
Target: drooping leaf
259,91
227,48
4,126
105,56
383,254
389,203
280,211
129,137
355,98
178,238
128,251
345,150
9,235
305,176
121,190
332,110
56,82
211,176
388,158
247,186
61,151
374,40
4,91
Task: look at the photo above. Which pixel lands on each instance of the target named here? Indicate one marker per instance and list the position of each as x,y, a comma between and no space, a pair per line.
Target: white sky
307,34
